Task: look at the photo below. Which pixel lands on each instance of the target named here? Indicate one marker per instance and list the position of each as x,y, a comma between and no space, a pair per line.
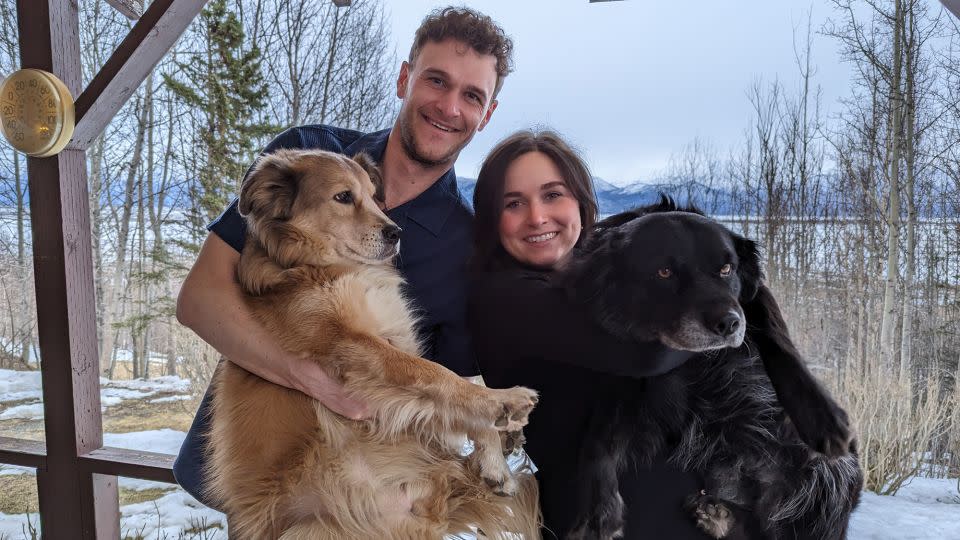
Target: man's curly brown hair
475,29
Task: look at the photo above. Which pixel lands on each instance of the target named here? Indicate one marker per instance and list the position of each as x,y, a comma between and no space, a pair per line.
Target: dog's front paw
605,523
824,426
710,514
499,479
515,405
511,441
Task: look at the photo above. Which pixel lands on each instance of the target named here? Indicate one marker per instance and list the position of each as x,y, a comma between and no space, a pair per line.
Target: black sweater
528,333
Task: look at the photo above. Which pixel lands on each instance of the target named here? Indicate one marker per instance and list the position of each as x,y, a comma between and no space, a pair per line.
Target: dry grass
895,424
139,415
18,494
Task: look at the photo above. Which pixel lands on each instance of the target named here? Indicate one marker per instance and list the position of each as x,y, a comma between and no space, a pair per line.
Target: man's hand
309,378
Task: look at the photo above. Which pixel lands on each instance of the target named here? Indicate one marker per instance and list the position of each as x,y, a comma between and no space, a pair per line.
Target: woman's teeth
540,238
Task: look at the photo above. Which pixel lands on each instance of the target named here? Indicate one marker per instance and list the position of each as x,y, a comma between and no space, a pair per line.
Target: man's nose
448,104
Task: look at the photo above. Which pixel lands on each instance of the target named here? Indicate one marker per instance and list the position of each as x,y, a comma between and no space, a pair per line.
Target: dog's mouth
692,335
384,253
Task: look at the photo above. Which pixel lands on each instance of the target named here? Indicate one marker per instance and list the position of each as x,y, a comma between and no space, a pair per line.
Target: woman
533,200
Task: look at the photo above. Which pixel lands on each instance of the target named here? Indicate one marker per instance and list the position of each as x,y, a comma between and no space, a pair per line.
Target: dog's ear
270,188
616,220
373,171
749,272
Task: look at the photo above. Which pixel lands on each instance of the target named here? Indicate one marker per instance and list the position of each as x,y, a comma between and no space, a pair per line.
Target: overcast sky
631,81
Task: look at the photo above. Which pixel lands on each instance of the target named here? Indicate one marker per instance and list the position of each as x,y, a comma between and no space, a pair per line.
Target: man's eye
344,197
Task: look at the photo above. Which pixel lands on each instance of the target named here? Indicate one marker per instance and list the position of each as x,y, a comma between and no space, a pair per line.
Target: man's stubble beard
409,145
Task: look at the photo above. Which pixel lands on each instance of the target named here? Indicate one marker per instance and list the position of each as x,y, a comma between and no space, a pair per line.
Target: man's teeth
540,238
438,126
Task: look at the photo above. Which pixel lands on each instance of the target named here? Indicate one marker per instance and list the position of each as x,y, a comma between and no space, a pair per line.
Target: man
448,85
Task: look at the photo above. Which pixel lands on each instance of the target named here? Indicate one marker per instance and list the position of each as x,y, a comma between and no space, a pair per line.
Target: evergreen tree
224,84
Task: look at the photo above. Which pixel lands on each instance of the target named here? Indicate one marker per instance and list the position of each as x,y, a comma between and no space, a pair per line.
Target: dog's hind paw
515,406
710,514
606,522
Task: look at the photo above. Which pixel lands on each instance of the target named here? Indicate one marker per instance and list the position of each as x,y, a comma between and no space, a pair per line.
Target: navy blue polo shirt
435,242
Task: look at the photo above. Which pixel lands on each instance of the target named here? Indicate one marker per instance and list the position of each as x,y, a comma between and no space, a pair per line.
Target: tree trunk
117,282
888,321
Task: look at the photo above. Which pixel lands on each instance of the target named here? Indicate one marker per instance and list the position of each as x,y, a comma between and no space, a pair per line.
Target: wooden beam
71,499
130,463
23,452
953,6
154,34
131,9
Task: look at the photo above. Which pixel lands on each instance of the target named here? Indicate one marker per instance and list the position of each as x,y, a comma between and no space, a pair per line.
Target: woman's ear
270,187
748,269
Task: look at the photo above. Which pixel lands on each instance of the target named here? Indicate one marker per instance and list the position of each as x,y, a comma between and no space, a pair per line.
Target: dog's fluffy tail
822,504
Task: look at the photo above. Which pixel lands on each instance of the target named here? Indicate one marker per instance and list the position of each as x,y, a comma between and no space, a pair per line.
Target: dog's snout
727,324
391,234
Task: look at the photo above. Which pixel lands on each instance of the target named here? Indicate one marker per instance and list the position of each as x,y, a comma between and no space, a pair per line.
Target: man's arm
211,304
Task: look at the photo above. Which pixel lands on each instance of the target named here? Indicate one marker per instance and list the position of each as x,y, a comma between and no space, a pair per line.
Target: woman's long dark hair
488,252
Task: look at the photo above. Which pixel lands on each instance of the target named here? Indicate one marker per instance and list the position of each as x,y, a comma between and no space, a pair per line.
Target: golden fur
316,273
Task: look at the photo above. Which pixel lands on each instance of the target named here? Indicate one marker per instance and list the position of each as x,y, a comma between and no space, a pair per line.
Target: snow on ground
165,517
927,508
24,386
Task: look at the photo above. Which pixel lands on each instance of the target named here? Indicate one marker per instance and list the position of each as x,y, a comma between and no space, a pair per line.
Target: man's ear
749,272
486,117
403,79
373,171
270,188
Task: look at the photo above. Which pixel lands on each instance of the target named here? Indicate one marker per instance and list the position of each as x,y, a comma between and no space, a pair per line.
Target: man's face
447,97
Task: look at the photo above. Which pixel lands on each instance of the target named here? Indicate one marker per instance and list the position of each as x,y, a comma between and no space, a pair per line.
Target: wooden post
74,503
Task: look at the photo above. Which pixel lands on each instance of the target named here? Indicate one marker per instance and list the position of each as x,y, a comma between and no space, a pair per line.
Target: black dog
772,468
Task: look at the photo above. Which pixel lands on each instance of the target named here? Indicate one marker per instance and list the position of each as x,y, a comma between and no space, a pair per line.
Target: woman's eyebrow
548,185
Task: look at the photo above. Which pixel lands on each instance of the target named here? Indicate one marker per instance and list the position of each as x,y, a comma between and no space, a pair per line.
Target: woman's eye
553,195
726,270
512,204
664,273
344,197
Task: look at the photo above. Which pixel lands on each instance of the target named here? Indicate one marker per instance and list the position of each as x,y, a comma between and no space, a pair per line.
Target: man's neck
404,178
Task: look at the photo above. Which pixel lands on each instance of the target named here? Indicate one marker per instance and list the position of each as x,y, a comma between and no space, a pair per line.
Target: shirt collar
430,209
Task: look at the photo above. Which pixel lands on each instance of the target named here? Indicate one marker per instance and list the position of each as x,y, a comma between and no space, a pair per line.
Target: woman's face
540,222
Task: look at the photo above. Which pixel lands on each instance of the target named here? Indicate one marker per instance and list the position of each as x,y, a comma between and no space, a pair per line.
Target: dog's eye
664,273
726,269
344,197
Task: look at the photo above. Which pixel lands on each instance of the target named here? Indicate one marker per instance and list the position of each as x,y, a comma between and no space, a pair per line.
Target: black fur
659,273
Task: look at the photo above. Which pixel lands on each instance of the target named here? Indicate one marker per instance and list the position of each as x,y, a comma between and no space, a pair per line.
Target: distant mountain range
613,199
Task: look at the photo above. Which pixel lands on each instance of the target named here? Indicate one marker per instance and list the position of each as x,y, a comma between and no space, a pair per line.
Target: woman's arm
527,317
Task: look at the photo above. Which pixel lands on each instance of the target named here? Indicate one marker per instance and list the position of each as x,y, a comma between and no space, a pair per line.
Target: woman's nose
536,216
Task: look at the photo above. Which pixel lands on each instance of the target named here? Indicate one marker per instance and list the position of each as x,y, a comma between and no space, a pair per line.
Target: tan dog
317,274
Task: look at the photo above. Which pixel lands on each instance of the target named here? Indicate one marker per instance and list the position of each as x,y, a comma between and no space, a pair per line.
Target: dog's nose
727,324
391,234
